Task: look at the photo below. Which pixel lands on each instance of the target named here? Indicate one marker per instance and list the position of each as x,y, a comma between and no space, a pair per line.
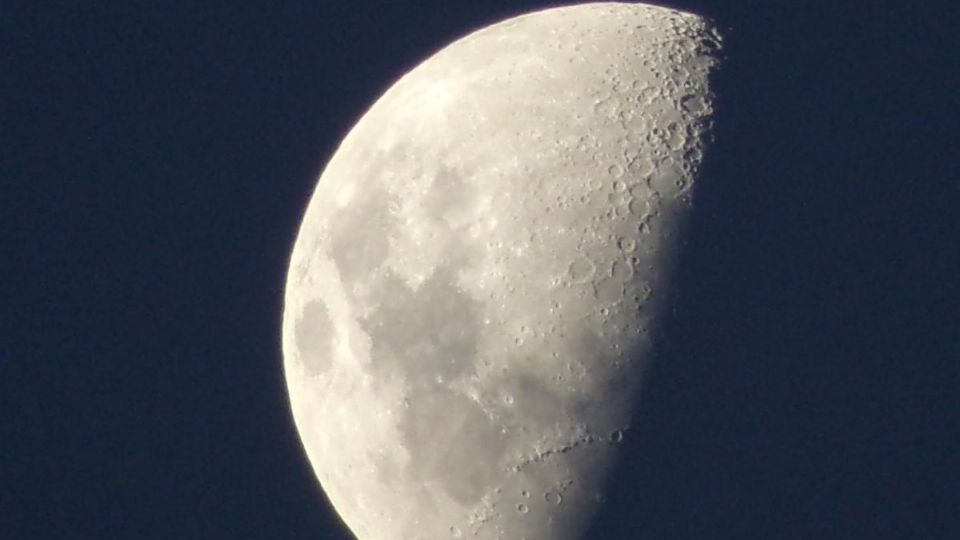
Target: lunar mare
470,295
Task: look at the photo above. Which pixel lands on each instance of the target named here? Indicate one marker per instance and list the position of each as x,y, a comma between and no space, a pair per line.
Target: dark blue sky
157,160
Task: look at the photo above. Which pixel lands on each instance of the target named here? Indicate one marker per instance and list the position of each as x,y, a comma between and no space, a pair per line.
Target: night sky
157,159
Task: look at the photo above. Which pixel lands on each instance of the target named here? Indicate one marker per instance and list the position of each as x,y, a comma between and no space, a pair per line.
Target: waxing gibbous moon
471,294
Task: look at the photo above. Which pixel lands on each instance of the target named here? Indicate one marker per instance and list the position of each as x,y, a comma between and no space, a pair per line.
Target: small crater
669,182
522,508
693,104
622,271
606,107
647,95
676,141
641,207
608,290
617,198
640,190
553,497
581,270
640,167
627,244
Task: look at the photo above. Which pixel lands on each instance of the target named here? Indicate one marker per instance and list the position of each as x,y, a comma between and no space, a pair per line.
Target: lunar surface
471,295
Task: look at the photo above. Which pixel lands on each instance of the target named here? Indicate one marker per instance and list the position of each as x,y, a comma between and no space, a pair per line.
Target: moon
473,288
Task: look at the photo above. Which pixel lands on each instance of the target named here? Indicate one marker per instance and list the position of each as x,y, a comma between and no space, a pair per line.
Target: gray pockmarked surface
470,295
